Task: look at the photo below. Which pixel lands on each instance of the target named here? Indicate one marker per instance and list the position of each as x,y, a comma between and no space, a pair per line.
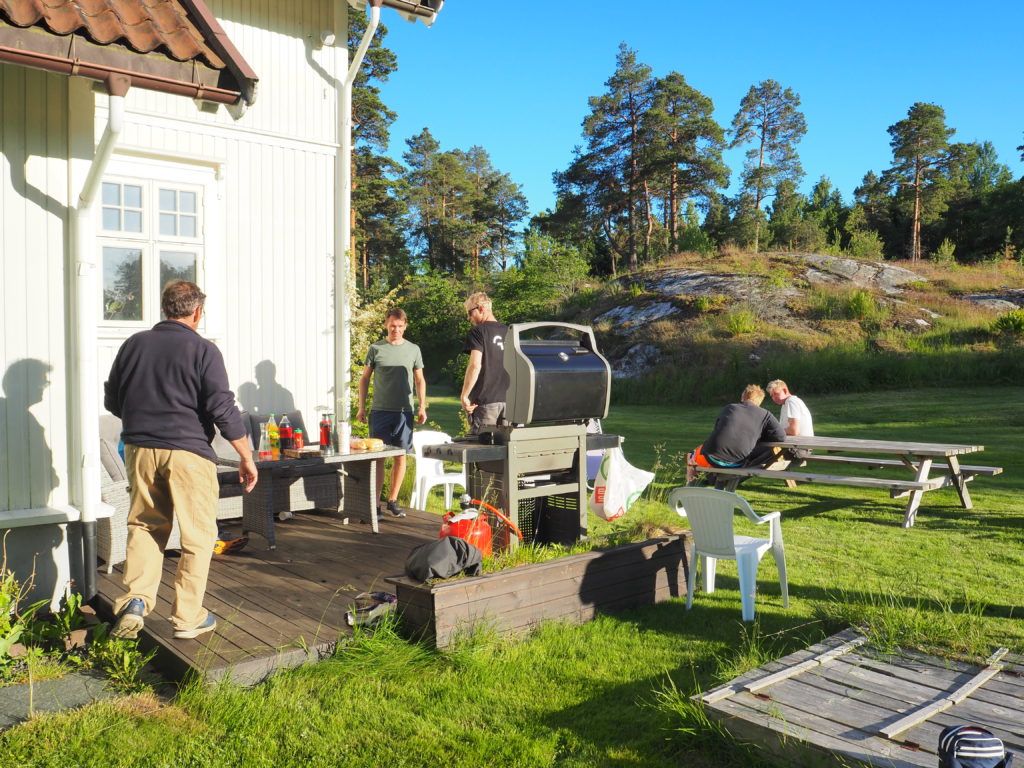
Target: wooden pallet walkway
278,608
833,703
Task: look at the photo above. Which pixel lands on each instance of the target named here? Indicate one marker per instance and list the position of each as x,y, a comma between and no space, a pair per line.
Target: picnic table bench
919,458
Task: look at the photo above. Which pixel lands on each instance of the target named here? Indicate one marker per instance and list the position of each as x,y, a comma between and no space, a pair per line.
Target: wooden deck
279,608
839,702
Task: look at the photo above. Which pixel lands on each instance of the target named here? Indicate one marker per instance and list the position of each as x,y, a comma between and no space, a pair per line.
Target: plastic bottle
285,433
264,453
325,433
274,438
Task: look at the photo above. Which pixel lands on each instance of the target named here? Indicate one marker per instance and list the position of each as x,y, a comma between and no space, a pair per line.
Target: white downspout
86,482
343,229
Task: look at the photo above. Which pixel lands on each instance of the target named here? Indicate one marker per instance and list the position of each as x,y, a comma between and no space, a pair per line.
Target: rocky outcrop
1003,300
867,274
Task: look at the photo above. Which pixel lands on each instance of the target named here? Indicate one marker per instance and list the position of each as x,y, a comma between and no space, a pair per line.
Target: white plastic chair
431,472
711,514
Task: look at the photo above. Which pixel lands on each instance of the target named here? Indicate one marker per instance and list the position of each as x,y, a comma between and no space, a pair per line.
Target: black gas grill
534,467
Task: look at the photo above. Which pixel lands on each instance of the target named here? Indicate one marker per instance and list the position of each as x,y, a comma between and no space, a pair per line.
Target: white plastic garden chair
711,514
431,472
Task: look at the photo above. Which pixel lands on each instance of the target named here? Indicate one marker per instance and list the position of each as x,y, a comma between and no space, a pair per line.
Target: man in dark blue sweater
170,389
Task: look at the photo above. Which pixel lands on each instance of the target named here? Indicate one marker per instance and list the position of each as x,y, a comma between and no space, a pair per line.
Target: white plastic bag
617,486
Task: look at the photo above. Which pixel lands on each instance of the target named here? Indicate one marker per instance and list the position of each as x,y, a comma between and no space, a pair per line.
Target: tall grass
840,368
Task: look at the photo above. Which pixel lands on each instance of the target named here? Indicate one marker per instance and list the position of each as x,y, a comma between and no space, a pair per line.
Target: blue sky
514,77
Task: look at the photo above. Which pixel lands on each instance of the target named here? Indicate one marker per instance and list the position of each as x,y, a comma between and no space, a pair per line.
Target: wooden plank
871,463
794,658
823,658
811,477
947,701
996,718
859,445
807,739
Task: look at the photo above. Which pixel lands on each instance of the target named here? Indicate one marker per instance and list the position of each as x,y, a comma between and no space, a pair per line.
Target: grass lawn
611,693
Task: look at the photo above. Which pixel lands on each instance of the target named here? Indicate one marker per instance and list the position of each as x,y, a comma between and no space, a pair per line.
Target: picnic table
933,465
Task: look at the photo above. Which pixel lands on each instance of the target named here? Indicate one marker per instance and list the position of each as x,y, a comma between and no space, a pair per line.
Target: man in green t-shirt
397,368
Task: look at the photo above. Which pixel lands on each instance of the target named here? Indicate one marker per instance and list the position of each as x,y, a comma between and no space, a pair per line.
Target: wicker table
348,480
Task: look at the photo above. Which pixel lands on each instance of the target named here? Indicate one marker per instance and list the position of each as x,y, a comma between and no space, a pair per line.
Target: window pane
132,196
168,200
133,221
122,283
187,201
111,193
112,218
177,265
188,226
168,224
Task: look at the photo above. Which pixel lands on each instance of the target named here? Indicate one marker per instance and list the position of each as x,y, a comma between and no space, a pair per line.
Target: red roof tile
142,25
175,46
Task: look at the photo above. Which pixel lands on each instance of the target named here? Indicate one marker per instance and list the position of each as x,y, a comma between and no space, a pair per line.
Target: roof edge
74,55
218,39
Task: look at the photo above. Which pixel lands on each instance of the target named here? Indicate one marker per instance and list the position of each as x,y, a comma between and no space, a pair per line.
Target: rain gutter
85,489
343,233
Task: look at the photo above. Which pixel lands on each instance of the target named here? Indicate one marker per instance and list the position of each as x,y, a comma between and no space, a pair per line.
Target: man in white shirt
794,417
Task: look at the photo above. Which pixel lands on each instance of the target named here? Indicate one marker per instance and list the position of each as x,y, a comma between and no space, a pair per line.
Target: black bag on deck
443,558
968,746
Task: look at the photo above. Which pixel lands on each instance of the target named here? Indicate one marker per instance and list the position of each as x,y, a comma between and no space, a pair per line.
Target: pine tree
615,143
371,123
684,147
768,118
920,151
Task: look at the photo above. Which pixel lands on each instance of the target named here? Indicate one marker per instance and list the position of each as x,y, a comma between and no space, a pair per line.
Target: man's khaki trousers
165,484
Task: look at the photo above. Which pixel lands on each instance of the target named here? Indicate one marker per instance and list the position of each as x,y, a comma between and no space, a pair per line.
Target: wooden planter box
570,589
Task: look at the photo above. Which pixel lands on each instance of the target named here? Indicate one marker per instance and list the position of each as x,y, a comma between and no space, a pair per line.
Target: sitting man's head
778,390
753,393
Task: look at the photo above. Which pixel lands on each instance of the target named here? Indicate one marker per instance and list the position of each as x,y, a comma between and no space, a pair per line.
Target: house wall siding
270,283
33,228
269,249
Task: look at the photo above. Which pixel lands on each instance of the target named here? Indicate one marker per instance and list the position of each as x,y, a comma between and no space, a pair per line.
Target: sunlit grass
616,691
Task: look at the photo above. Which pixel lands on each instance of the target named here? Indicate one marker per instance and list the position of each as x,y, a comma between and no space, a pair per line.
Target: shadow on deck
278,608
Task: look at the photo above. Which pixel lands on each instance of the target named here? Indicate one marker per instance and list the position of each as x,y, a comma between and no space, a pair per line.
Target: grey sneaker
395,510
208,625
129,621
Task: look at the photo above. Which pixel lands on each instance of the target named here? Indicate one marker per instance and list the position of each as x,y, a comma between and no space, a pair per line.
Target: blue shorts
393,427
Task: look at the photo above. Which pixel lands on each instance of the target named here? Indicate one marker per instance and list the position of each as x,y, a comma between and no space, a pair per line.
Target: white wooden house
144,139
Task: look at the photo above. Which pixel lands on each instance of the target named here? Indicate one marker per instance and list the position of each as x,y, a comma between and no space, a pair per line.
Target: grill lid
552,380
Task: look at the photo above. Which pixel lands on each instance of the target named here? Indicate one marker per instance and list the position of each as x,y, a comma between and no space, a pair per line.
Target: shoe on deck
395,510
230,546
207,626
129,621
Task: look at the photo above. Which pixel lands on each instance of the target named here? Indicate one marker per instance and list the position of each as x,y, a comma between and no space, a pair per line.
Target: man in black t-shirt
486,382
741,431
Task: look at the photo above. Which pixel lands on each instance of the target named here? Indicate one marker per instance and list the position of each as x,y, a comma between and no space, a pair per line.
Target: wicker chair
112,532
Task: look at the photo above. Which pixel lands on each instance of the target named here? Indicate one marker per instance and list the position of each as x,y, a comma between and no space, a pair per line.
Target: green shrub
696,240
1011,323
705,304
740,321
944,253
860,305
866,244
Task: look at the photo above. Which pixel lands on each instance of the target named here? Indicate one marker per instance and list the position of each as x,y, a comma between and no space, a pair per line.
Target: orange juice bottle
275,438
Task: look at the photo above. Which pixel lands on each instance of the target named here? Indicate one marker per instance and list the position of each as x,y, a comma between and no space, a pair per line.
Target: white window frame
154,174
